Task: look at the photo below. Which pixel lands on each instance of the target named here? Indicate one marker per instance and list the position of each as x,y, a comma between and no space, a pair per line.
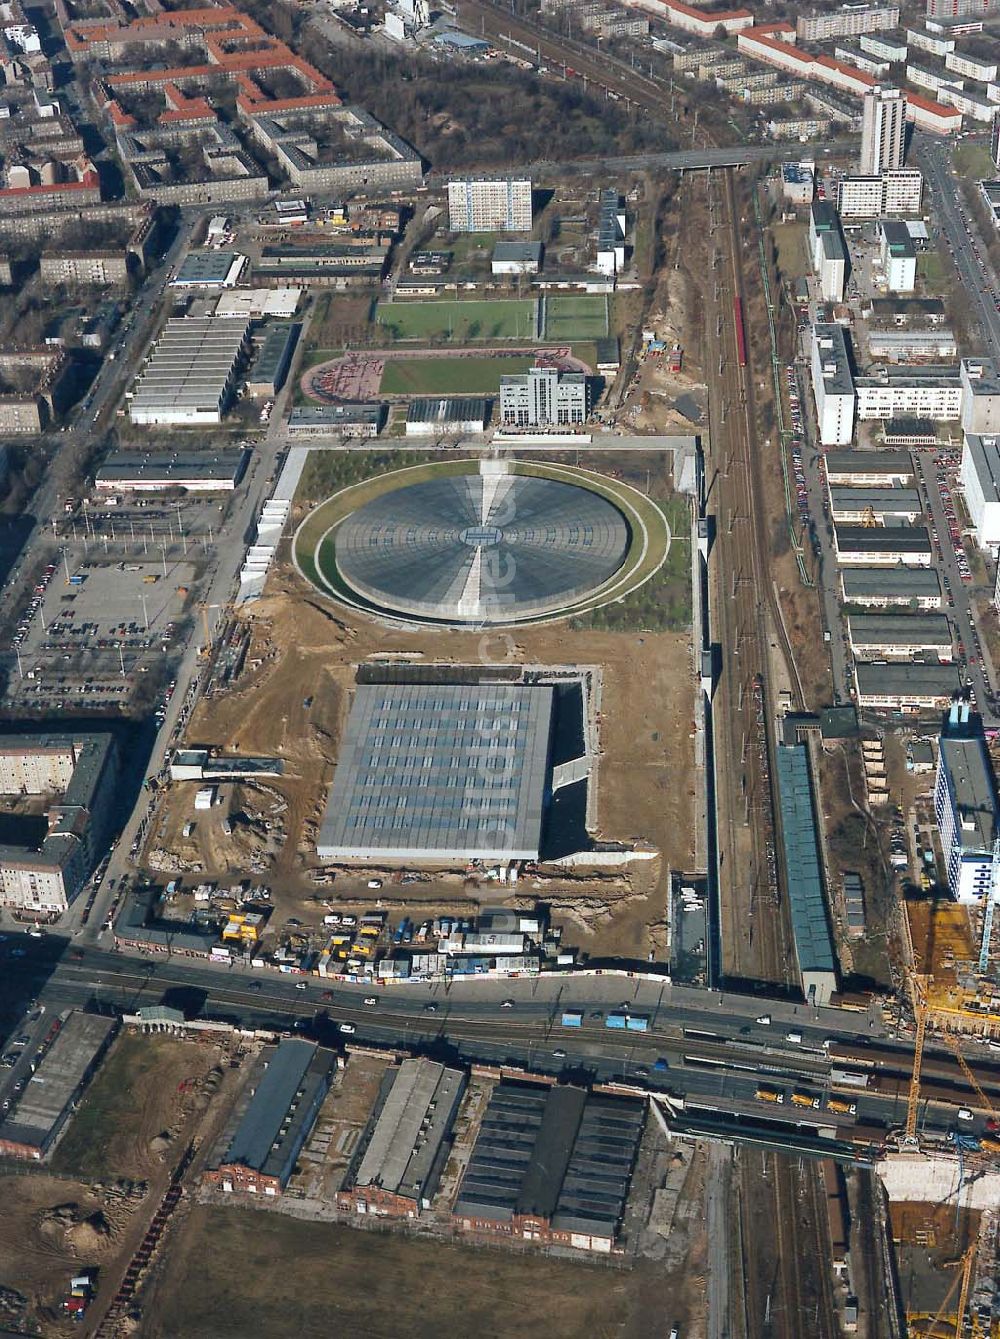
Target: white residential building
980,379
833,385
829,254
980,477
489,204
847,21
965,806
899,256
896,192
883,131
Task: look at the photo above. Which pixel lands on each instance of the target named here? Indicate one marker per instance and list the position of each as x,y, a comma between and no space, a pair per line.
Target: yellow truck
770,1094
804,1100
841,1107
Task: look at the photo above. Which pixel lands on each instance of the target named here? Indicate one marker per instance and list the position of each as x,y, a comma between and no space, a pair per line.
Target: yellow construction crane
962,1281
868,518
920,1008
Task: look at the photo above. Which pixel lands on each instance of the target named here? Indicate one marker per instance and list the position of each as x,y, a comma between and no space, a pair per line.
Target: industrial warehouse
274,1121
397,1165
551,1165
191,375
206,472
879,587
69,1053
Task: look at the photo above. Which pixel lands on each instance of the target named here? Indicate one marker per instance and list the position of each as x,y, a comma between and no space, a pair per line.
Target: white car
347,1028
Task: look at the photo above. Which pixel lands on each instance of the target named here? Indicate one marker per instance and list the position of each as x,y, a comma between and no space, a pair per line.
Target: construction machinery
955,1328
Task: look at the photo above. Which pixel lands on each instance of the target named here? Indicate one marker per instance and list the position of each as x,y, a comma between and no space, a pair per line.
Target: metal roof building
277,1121
191,373
39,1113
965,805
806,891
877,469
429,418
901,634
209,269
906,687
854,504
884,586
269,371
558,1157
210,472
408,1139
441,773
346,420
889,544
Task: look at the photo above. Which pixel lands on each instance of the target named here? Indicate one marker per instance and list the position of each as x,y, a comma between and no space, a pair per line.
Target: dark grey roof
868,462
332,415
38,1113
554,1153
127,467
273,359
806,894
441,772
408,1133
882,539
463,409
897,582
900,630
906,681
481,549
282,1108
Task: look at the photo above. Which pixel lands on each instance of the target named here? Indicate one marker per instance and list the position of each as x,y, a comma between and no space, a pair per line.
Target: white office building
869,197
544,397
909,392
489,204
833,385
883,131
965,806
898,255
980,477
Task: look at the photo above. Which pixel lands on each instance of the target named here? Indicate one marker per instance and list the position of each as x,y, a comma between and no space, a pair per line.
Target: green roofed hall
806,897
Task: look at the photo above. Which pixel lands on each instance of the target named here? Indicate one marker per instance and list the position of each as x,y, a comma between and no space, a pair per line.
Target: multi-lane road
709,1049
961,236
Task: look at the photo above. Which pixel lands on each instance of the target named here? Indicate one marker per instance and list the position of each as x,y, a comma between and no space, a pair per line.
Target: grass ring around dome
314,542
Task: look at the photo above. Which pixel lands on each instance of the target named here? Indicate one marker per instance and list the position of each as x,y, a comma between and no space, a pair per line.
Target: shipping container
572,1018
637,1023
619,1021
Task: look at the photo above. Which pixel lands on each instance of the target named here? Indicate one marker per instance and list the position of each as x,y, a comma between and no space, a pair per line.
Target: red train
741,336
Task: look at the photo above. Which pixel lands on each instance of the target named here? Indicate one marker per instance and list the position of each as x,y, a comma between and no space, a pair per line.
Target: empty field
235,1272
574,318
449,376
457,321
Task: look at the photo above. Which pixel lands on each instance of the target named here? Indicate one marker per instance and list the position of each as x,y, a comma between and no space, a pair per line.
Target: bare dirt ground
88,1211
141,1099
306,651
50,1229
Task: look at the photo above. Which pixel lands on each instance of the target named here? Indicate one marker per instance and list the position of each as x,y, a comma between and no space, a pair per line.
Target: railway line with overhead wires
783,1226
755,934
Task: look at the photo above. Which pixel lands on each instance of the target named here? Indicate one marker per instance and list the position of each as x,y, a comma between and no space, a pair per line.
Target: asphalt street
961,234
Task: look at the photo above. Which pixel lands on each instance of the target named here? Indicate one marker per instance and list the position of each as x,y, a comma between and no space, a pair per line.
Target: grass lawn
458,321
790,239
449,376
930,268
569,318
973,161
288,1275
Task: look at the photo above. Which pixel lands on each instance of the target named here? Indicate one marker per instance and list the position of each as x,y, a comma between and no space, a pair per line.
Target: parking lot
96,626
